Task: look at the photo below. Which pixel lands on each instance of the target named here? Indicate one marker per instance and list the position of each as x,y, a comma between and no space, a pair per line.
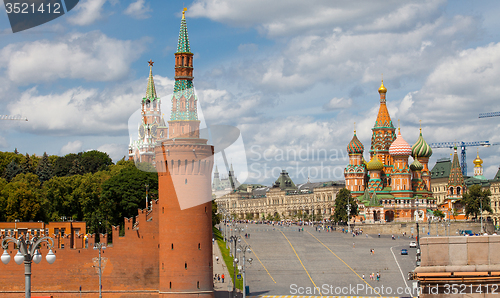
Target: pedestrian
213,240
215,278
218,277
378,276
222,277
353,245
373,276
217,259
363,277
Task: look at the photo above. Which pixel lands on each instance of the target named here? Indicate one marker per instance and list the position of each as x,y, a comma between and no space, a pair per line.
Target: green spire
151,90
183,45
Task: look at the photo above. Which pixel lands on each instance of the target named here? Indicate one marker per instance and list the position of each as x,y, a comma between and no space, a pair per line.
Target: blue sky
292,75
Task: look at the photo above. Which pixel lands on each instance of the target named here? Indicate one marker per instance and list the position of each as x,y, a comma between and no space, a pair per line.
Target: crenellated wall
130,270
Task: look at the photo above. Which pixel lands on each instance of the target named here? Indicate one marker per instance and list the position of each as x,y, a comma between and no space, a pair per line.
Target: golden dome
375,164
382,88
478,161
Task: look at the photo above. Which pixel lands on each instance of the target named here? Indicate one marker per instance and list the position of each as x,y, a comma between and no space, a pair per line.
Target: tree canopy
341,201
475,199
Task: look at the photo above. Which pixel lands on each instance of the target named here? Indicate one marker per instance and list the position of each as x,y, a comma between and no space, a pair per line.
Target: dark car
404,251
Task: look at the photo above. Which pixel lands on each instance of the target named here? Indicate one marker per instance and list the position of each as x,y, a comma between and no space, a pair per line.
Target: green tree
126,192
59,191
7,157
93,161
12,170
215,216
63,164
23,199
474,198
340,214
29,164
76,168
439,213
276,217
249,216
44,169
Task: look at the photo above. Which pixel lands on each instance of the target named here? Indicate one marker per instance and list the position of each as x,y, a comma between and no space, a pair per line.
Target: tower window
185,265
198,284
170,284
162,209
199,246
172,246
182,60
186,181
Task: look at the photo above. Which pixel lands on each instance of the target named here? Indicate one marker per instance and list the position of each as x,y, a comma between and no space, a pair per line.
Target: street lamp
481,209
100,247
27,252
348,215
244,249
234,239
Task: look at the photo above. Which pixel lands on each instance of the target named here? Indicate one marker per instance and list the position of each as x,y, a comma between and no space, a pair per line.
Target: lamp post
27,252
348,215
481,210
234,239
244,249
100,246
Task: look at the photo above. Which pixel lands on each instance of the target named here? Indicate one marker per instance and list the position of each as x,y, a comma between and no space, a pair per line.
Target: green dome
375,164
416,165
421,148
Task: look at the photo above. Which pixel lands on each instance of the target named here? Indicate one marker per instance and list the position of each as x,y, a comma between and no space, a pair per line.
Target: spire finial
420,125
184,12
399,127
354,127
150,62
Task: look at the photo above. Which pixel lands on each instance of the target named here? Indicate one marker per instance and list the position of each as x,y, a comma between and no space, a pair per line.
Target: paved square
289,262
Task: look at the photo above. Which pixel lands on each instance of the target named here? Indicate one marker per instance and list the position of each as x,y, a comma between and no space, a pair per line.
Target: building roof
421,148
441,169
284,182
355,146
183,44
456,177
400,146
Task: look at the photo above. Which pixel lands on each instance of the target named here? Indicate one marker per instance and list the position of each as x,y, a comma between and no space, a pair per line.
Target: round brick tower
184,163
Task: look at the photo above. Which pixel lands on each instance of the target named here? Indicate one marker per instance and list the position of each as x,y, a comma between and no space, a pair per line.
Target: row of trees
84,187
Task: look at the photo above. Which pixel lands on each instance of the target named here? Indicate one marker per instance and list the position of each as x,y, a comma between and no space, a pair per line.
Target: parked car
404,251
413,244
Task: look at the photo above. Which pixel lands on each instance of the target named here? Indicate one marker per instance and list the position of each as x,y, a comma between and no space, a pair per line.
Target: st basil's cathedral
387,187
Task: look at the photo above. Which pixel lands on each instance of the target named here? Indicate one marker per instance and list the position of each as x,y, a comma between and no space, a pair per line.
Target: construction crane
464,146
8,117
490,114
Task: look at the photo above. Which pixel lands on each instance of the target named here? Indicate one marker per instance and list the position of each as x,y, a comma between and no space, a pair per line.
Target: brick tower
184,163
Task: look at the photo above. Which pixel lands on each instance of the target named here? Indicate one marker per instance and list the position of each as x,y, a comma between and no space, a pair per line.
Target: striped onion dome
416,165
400,146
375,164
421,148
355,146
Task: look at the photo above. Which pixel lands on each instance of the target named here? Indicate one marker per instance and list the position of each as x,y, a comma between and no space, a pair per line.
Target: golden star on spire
150,62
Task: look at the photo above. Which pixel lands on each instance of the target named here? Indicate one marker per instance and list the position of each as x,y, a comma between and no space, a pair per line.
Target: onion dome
478,161
400,146
416,165
375,164
421,148
382,88
355,146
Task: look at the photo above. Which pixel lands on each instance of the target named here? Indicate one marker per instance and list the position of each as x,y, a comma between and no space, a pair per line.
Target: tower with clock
152,126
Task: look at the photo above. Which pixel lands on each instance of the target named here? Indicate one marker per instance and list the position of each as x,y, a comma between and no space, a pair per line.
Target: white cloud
337,104
286,17
83,111
92,56
87,12
115,151
138,9
248,47
72,147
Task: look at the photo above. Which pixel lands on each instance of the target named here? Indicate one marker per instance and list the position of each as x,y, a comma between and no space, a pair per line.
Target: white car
413,244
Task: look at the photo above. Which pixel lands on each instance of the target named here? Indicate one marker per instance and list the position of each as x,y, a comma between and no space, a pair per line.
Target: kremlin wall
167,250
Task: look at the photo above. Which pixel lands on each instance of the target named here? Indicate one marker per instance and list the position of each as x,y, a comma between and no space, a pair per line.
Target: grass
227,258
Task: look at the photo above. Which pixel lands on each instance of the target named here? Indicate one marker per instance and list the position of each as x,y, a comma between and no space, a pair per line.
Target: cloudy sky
292,75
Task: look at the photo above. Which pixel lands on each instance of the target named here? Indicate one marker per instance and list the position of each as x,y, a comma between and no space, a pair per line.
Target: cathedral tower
400,150
355,171
383,134
456,186
184,163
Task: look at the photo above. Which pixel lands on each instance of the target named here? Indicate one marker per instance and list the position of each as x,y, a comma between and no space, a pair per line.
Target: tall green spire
183,44
151,90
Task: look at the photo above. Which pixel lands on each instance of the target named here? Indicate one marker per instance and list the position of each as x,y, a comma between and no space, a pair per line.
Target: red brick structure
166,250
